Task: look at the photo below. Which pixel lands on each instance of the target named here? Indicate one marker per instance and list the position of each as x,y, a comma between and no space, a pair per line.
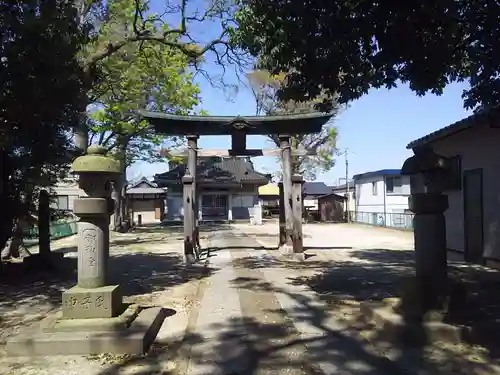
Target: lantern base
132,332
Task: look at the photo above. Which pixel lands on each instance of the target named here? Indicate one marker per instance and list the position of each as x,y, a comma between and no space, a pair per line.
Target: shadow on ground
177,228
27,296
248,346
138,273
383,273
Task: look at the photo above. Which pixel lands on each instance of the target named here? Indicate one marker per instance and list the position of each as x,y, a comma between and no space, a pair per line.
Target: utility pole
347,185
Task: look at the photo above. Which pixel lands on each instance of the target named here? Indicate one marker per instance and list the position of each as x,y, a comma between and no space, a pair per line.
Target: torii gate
238,128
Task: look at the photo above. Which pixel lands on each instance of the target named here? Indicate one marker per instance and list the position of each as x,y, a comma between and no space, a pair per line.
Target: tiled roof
486,116
140,183
216,170
144,186
144,190
316,188
336,196
342,186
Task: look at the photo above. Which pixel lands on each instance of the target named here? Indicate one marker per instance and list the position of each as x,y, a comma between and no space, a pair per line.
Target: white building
64,195
144,199
473,216
381,198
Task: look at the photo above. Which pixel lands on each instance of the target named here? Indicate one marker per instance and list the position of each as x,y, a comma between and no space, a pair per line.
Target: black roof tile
216,169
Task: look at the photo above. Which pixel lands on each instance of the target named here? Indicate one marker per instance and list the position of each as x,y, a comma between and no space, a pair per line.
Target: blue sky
375,129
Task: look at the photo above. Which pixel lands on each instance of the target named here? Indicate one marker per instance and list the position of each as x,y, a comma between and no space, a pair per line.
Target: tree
346,47
41,89
128,37
154,77
145,27
265,87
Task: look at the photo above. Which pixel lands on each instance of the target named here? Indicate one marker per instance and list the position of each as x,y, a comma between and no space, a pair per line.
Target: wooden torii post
238,128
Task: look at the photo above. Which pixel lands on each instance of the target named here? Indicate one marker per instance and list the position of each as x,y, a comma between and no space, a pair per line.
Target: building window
374,188
455,182
244,201
61,202
394,185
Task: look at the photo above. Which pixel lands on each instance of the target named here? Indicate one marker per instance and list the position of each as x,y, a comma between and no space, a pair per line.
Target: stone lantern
94,318
97,172
430,173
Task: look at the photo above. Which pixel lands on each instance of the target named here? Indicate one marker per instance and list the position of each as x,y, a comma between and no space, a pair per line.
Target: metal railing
389,219
57,230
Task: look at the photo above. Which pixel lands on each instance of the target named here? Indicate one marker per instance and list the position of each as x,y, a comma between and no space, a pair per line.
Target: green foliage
349,46
41,93
140,75
265,87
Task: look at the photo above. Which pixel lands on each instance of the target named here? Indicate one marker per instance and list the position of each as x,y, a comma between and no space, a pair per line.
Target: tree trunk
6,201
115,195
123,205
119,187
13,246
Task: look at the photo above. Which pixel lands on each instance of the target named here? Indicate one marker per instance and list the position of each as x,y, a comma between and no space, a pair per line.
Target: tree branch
191,49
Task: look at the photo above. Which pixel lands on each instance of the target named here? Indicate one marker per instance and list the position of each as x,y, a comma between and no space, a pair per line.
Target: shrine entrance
290,236
214,206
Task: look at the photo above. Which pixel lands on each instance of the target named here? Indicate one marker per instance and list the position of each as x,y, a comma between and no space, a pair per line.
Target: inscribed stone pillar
297,239
430,237
189,227
282,225
286,159
429,225
92,297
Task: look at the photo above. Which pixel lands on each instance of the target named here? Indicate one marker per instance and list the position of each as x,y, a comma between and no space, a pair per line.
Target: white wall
478,148
175,209
69,189
311,203
243,205
145,208
366,201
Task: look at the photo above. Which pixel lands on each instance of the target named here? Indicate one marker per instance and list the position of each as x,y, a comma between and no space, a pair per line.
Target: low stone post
297,208
429,204
192,163
282,224
93,297
189,227
286,160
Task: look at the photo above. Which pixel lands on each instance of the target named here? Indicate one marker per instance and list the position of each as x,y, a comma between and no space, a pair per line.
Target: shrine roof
166,123
230,170
144,186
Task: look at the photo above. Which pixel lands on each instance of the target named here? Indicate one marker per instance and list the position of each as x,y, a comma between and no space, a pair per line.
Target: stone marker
428,204
94,319
297,209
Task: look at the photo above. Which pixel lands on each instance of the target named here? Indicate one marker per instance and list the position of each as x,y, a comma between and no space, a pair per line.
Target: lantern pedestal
93,319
